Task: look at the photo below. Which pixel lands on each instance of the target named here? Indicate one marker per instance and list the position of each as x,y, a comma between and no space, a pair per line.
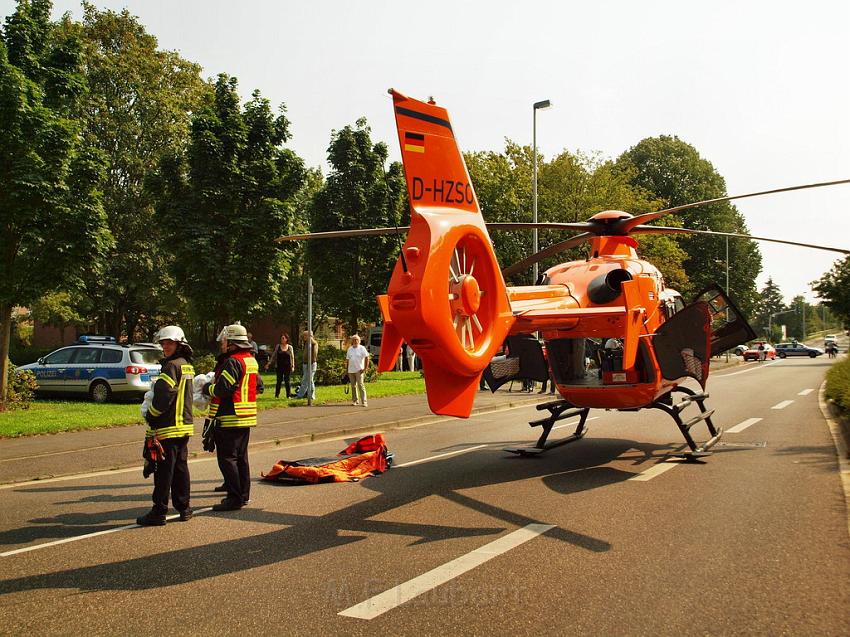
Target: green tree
770,305
675,173
52,224
349,273
502,183
834,288
58,310
290,308
136,112
224,201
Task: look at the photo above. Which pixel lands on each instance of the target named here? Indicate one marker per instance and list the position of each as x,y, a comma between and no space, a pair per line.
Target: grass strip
53,416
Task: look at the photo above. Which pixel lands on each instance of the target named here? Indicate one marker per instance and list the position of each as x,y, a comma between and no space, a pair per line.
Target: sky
760,88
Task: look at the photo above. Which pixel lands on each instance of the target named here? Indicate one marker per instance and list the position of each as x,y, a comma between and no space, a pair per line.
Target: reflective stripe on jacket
170,413
233,392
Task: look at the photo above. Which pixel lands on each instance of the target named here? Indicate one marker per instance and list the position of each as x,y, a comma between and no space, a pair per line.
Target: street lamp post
537,106
770,320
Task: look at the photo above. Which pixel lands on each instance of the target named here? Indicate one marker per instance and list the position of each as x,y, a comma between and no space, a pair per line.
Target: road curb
836,429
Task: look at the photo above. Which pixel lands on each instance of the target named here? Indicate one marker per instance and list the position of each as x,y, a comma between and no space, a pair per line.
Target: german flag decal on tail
414,142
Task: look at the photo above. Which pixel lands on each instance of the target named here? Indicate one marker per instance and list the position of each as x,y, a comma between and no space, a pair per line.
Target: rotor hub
469,294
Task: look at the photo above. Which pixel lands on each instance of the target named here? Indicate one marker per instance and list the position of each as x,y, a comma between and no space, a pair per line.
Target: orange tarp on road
359,462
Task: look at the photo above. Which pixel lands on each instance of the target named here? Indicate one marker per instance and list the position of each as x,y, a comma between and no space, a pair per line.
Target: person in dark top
283,360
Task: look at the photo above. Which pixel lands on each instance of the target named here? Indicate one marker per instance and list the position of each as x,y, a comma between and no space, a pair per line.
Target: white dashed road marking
655,470
398,595
805,392
782,405
743,425
438,456
574,422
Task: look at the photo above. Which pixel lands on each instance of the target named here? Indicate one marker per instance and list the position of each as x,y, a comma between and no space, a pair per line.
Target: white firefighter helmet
170,333
235,334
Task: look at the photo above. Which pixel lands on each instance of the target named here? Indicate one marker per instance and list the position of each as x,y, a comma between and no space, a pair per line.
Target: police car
99,367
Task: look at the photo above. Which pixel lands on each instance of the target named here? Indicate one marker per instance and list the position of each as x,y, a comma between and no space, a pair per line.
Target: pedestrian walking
358,362
233,408
283,360
762,352
169,419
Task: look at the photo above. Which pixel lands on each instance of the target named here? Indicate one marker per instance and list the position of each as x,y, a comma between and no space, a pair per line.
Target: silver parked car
99,367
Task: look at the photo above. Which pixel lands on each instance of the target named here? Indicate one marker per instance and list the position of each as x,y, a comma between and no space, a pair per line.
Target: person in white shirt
358,361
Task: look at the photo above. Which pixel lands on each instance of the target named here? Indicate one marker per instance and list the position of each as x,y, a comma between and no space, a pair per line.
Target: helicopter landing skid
696,450
558,410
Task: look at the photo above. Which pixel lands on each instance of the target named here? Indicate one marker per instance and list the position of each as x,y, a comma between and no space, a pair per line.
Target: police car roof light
95,339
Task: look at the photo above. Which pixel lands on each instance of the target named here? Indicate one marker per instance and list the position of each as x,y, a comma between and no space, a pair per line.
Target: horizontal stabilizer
390,347
449,394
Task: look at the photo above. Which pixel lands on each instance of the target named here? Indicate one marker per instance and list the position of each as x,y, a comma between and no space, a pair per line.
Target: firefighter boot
228,504
151,519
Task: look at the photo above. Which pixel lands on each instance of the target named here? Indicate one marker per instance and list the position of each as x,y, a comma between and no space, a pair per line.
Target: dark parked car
797,349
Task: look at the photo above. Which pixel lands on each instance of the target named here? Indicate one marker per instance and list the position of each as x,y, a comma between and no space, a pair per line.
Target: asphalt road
607,536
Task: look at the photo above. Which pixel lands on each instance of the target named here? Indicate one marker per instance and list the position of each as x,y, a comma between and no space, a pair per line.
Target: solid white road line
782,405
655,470
805,392
438,456
81,476
743,425
65,540
747,371
398,595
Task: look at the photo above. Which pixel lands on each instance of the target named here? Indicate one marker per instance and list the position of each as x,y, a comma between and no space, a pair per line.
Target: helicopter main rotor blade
580,226
572,242
372,232
666,230
342,234
625,226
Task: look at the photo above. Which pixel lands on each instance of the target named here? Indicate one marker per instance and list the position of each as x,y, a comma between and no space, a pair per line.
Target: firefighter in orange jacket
233,408
169,420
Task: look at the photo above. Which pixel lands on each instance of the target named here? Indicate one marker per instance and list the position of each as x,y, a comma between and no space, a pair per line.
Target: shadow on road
564,471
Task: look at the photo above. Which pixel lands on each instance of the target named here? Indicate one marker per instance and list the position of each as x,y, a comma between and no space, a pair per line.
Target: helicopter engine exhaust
607,287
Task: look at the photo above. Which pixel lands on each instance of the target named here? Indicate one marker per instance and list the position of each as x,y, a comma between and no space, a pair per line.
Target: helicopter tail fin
447,297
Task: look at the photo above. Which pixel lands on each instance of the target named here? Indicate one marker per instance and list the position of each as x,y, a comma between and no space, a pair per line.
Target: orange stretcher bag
361,459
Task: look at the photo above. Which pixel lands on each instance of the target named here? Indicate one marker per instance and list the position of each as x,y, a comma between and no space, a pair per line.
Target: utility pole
309,344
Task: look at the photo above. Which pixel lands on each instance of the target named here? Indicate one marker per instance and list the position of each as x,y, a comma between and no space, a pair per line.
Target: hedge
838,384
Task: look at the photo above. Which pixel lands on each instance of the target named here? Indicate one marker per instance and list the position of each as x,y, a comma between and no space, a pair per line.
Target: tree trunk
5,338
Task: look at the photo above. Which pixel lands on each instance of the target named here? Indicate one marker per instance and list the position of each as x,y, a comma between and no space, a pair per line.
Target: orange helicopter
616,337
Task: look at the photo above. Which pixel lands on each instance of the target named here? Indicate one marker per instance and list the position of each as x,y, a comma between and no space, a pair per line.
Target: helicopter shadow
296,535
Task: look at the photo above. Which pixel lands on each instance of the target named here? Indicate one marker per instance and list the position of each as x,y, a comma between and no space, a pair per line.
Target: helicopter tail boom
447,298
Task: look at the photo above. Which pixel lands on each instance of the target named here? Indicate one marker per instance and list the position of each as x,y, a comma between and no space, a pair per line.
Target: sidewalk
40,457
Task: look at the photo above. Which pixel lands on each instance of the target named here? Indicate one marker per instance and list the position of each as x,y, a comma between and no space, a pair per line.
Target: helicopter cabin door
729,328
709,326
683,343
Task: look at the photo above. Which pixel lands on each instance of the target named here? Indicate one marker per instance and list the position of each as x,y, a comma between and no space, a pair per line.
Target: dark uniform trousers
172,474
231,443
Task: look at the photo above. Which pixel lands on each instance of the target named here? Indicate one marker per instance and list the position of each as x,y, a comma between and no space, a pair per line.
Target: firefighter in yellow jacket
233,408
169,419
